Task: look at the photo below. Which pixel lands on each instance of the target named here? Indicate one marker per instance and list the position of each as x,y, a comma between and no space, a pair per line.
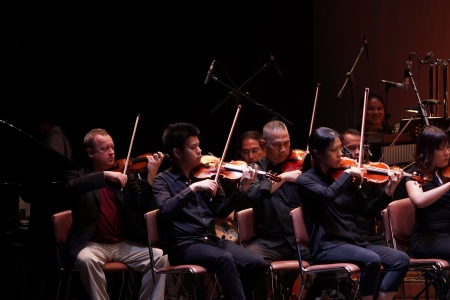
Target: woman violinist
331,206
431,231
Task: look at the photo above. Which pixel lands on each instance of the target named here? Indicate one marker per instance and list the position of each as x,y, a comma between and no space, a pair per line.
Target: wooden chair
62,222
246,229
342,270
152,224
398,220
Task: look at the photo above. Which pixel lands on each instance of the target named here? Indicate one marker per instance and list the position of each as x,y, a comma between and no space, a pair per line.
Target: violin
294,161
229,170
135,165
376,173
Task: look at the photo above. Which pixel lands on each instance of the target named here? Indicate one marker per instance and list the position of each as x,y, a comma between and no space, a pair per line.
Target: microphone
407,69
366,48
208,74
274,62
395,84
428,55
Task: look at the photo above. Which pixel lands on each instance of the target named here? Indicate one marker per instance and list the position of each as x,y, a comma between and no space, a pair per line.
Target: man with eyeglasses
250,149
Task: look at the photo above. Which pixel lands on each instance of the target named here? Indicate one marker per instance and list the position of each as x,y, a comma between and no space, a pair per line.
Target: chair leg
59,286
121,286
68,285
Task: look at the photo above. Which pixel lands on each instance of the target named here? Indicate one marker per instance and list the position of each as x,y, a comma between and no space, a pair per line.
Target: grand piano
33,172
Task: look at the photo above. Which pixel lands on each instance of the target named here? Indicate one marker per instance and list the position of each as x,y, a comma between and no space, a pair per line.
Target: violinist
331,206
272,203
104,227
249,147
189,208
370,226
431,232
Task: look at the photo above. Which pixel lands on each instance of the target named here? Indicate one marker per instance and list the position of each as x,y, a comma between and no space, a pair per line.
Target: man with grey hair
272,203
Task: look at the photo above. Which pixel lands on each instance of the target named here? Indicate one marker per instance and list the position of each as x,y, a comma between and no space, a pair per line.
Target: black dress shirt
331,208
188,216
273,221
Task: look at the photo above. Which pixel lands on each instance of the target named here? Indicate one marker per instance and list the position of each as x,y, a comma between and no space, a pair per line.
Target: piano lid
29,160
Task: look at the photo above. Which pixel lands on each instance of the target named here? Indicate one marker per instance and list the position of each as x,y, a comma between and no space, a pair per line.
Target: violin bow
313,115
219,167
396,138
363,125
131,145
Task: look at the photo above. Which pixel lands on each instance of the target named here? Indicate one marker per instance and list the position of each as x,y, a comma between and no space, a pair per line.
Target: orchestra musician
370,227
104,227
189,208
375,115
431,232
272,203
249,147
330,206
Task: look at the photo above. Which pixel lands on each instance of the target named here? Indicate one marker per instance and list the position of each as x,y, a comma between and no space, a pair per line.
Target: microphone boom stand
352,79
232,93
274,113
422,108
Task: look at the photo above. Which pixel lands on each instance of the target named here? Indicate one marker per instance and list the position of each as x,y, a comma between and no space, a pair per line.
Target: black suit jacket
83,189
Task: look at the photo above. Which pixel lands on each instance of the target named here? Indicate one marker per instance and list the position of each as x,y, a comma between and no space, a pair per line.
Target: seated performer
431,232
272,203
250,151
104,227
189,208
249,147
375,115
330,205
369,226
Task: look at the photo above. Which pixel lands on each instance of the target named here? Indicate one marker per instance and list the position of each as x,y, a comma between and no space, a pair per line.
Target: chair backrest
299,224
246,223
151,221
387,227
62,222
401,217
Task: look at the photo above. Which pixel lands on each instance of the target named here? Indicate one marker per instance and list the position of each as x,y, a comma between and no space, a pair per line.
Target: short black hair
175,136
320,139
431,139
351,131
252,134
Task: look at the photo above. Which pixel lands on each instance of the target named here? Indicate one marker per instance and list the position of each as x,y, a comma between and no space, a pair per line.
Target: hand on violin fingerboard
248,176
154,162
116,177
290,176
205,185
395,177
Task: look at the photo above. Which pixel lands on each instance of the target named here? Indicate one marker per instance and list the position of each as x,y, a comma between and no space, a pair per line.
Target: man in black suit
104,206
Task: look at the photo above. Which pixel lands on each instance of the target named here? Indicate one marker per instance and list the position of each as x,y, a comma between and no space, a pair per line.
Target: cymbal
413,109
431,101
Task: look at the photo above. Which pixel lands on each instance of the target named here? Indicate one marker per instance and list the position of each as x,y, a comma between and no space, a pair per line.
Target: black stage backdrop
100,65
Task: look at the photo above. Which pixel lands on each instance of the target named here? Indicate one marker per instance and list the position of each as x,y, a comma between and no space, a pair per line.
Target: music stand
416,125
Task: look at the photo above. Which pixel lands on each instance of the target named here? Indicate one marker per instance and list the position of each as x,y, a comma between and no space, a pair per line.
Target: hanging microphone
425,59
274,62
428,55
394,84
366,48
407,69
208,74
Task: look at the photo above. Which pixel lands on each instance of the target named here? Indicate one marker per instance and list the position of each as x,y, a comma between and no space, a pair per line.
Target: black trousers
285,252
237,268
370,259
